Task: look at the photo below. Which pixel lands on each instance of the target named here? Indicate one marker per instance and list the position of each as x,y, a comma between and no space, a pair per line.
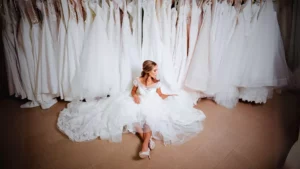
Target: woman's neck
148,80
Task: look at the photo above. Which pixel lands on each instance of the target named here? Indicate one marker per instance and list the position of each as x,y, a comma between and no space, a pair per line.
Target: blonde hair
148,66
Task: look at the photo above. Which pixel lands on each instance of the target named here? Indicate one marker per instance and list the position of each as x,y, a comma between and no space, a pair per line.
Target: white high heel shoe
151,143
145,154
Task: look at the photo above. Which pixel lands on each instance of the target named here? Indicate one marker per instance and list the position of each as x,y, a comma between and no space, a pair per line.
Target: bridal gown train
173,120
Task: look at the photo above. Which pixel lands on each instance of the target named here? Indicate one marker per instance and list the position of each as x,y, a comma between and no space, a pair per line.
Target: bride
145,110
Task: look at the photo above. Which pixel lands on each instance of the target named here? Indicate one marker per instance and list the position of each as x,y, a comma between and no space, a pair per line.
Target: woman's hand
136,99
173,95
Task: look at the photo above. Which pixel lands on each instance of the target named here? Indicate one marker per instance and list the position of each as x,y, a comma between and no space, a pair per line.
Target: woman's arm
134,95
163,96
133,91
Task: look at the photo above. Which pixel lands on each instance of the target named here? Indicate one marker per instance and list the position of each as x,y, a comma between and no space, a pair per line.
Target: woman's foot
144,154
151,143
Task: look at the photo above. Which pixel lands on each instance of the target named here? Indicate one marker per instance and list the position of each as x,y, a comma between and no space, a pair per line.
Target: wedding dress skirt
198,72
173,120
266,64
94,78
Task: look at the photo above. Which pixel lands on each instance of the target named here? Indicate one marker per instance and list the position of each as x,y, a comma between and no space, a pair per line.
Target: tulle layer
173,120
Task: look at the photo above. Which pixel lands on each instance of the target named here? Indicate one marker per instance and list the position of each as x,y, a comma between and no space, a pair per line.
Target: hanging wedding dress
174,15
127,44
135,57
35,39
88,17
25,55
173,120
256,94
114,35
93,77
267,66
194,31
9,41
80,26
181,43
152,45
224,27
230,66
198,71
47,76
53,23
61,44
221,17
166,35
72,51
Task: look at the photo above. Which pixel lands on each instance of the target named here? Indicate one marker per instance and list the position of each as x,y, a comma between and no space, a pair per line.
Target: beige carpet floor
246,137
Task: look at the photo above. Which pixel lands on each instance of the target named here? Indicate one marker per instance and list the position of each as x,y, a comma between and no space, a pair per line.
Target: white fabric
173,120
25,53
266,55
126,71
47,76
152,45
198,73
9,41
196,21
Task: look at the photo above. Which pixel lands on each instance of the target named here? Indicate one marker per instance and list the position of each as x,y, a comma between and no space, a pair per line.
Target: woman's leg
140,132
147,135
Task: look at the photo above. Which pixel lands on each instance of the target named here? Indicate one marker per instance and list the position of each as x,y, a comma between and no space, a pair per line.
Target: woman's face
153,72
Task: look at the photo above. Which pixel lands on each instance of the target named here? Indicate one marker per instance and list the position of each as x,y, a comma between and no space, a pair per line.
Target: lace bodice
146,90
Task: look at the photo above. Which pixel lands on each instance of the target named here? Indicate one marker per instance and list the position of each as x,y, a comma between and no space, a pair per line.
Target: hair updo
148,66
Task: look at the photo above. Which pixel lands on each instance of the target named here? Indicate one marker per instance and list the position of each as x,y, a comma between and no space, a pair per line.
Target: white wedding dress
62,31
127,49
73,47
25,56
265,64
173,120
46,75
93,77
152,46
133,9
181,43
9,41
166,37
198,71
196,19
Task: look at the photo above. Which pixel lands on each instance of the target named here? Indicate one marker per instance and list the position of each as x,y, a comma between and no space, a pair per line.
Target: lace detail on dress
135,83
